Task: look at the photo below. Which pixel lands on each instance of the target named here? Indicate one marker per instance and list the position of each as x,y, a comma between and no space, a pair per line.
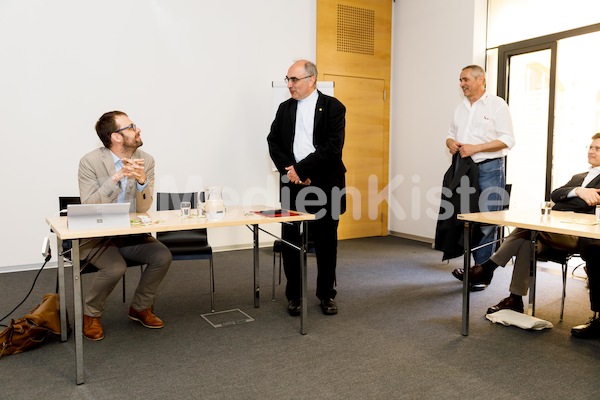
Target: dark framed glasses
295,80
132,127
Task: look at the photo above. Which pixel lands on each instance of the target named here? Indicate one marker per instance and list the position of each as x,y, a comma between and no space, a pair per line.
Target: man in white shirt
482,129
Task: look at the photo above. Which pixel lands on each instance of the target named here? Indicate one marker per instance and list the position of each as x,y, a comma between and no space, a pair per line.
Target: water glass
546,207
186,209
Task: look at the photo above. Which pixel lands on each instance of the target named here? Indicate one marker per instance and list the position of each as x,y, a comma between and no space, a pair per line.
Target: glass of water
546,207
186,209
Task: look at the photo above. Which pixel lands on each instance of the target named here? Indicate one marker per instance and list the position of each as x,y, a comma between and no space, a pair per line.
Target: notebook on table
98,216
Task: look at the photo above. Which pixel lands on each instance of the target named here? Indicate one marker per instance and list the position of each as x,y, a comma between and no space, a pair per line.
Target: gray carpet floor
397,336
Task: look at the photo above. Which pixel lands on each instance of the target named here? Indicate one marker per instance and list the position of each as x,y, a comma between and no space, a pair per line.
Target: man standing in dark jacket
305,143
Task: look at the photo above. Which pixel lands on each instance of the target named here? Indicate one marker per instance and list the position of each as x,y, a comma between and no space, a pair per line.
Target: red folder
277,213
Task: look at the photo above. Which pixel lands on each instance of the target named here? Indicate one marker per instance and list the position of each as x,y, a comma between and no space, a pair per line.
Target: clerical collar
311,98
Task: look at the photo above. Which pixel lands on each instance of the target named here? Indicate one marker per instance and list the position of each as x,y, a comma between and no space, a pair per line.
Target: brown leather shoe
146,318
509,303
92,329
478,278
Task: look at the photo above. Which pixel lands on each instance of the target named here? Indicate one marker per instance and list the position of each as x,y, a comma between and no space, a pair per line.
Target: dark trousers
323,232
590,252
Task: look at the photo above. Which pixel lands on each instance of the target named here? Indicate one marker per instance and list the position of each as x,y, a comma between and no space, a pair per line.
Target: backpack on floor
32,329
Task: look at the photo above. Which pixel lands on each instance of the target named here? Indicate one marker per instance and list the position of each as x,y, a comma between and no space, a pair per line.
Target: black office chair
189,244
560,257
87,267
503,229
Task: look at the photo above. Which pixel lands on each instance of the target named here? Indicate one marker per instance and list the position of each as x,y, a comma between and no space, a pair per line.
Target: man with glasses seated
581,194
120,173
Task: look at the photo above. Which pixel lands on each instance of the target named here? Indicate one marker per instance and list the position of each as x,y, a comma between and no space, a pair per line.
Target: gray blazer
96,185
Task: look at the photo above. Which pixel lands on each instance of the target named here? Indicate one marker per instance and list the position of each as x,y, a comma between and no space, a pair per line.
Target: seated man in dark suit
580,194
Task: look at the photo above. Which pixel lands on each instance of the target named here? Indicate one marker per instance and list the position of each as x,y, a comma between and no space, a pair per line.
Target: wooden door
364,155
354,51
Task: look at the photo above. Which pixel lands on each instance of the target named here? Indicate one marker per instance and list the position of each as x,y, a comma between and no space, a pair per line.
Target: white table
566,223
166,221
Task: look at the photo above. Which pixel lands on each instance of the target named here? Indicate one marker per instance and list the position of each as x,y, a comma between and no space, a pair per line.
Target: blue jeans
491,184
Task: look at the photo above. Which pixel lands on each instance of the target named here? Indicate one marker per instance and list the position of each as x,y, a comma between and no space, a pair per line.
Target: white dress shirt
593,173
305,124
122,184
486,120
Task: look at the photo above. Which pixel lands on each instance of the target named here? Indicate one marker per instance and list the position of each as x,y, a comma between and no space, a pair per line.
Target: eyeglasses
595,148
132,127
295,80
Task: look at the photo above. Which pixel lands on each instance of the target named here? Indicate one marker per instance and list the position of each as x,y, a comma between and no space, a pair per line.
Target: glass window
528,101
576,107
512,21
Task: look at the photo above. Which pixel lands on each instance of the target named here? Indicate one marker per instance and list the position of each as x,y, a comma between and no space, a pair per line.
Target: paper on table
579,221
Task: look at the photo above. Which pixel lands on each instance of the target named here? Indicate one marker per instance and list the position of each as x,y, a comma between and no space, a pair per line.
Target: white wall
432,41
195,75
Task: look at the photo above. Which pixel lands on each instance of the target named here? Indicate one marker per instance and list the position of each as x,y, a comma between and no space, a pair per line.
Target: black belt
488,160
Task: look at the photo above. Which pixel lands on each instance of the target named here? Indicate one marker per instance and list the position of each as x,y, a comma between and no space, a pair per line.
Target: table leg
78,317
467,267
256,267
61,292
303,256
532,274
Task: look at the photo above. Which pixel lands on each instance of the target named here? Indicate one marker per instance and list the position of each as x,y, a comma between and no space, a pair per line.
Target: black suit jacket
324,167
589,248
449,232
564,203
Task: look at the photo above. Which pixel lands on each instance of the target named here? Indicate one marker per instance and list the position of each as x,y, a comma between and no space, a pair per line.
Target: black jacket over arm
449,233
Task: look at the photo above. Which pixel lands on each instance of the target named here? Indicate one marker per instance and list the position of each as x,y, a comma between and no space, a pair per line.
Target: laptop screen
98,216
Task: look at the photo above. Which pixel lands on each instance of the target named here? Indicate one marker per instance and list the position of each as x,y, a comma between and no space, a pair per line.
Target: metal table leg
62,292
532,274
256,267
467,267
303,255
303,258
78,317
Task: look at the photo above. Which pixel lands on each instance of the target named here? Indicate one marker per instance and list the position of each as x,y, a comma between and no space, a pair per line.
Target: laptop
98,216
